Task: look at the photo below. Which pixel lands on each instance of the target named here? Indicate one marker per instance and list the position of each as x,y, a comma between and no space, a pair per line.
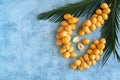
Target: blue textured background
28,50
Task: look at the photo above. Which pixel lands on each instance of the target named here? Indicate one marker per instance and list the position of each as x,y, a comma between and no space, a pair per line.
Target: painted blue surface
28,50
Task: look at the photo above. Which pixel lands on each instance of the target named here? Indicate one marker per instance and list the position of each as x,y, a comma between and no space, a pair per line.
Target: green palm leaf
77,9
110,31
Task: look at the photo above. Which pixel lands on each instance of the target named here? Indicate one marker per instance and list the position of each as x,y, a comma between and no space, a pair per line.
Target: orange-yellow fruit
99,18
60,29
96,42
71,49
83,24
69,32
63,33
81,59
106,10
96,51
89,62
67,36
101,46
65,40
62,50
67,43
73,26
77,62
92,56
97,57
85,41
101,52
84,64
68,27
103,40
66,55
93,27
86,57
64,23
58,42
81,33
94,15
93,20
73,20
104,5
98,24
87,23
93,62
104,16
102,21
93,46
85,29
67,16
67,47
80,68
73,66
98,11
87,66
73,54
89,51
88,32
58,36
